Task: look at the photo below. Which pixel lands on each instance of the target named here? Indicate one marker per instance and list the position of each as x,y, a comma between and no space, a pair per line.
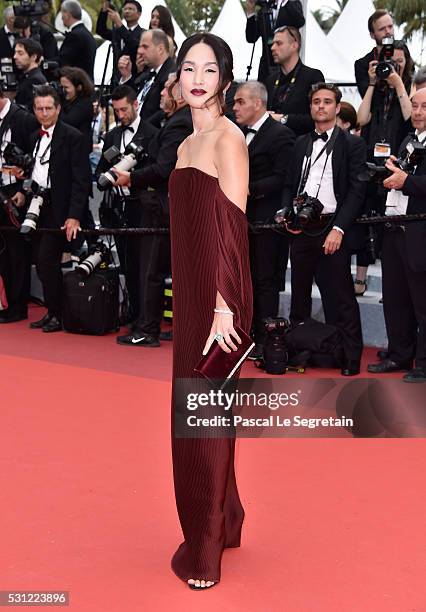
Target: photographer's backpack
91,303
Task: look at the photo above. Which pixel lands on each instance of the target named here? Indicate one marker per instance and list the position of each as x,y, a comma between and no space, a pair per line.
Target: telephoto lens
31,218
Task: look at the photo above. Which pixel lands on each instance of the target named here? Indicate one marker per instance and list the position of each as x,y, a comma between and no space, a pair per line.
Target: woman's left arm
231,161
395,81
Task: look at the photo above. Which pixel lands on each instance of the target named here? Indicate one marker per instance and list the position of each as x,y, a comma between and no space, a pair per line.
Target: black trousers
268,264
404,301
335,283
49,249
154,264
15,267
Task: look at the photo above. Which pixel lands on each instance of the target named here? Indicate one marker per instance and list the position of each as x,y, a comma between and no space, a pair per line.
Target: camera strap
328,147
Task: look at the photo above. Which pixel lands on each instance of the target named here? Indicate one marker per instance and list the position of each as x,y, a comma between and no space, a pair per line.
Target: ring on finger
218,337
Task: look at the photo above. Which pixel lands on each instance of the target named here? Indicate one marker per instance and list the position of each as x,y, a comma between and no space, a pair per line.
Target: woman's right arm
364,111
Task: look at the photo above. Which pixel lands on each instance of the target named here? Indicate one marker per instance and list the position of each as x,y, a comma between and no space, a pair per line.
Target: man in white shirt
325,165
404,262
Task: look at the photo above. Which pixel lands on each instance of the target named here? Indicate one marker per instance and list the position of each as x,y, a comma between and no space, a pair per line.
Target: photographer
7,33
15,126
77,106
289,87
266,21
324,166
380,26
270,146
124,38
151,182
39,31
404,261
79,46
61,168
27,57
121,207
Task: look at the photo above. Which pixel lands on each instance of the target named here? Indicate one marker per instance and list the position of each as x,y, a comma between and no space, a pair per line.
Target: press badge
382,149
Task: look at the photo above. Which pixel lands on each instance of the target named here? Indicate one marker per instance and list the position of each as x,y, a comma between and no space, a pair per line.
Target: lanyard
42,159
281,99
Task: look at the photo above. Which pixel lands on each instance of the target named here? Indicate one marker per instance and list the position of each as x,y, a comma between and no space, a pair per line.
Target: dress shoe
138,339
387,365
350,368
13,317
417,375
256,353
167,335
53,325
39,324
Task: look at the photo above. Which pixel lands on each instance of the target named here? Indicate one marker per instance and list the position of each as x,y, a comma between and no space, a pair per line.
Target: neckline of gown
216,179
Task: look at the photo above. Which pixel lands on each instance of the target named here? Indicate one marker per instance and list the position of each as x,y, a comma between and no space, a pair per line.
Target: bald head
418,112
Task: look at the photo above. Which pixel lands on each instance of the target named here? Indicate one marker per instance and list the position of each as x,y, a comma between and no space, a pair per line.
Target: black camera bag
320,344
91,303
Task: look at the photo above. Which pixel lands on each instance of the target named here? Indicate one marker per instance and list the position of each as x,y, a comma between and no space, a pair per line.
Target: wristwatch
284,119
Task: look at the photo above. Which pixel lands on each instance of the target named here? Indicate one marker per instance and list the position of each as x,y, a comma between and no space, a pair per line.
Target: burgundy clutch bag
217,365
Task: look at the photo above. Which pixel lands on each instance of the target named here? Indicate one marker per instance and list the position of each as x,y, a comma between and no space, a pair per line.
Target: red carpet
87,499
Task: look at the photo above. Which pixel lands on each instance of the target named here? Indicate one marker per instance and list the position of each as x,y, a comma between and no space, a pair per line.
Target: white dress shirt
41,154
256,126
6,178
127,137
321,168
10,35
146,87
396,201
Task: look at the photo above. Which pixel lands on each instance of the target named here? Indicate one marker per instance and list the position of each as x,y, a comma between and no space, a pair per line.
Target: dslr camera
14,156
30,8
133,153
386,65
99,254
33,213
8,78
275,350
303,213
408,160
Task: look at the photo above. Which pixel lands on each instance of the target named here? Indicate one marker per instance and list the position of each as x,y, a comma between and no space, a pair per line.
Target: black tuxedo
25,94
361,71
70,183
6,49
291,15
129,38
15,262
79,114
79,49
151,102
292,99
308,260
404,277
270,152
152,182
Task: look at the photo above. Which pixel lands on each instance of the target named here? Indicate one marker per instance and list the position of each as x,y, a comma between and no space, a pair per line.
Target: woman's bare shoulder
230,139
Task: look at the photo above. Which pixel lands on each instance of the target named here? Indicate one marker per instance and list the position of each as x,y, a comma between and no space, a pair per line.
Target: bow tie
10,33
43,133
127,127
250,131
323,136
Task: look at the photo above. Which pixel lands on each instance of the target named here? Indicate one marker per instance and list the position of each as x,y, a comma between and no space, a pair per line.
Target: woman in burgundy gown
211,295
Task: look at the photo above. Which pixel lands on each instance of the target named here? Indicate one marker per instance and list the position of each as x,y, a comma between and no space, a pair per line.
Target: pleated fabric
209,243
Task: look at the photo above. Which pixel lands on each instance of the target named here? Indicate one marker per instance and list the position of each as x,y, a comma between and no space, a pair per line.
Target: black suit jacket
291,15
25,95
79,114
6,49
348,160
415,233
130,38
361,71
144,135
78,49
70,176
162,152
151,103
296,105
269,155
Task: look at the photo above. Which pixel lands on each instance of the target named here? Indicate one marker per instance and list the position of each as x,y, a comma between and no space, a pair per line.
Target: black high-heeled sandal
359,282
194,587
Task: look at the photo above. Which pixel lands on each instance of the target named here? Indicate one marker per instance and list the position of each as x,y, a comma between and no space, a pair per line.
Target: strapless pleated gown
209,254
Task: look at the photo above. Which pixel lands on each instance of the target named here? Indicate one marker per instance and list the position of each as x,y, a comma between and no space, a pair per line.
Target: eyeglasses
289,30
